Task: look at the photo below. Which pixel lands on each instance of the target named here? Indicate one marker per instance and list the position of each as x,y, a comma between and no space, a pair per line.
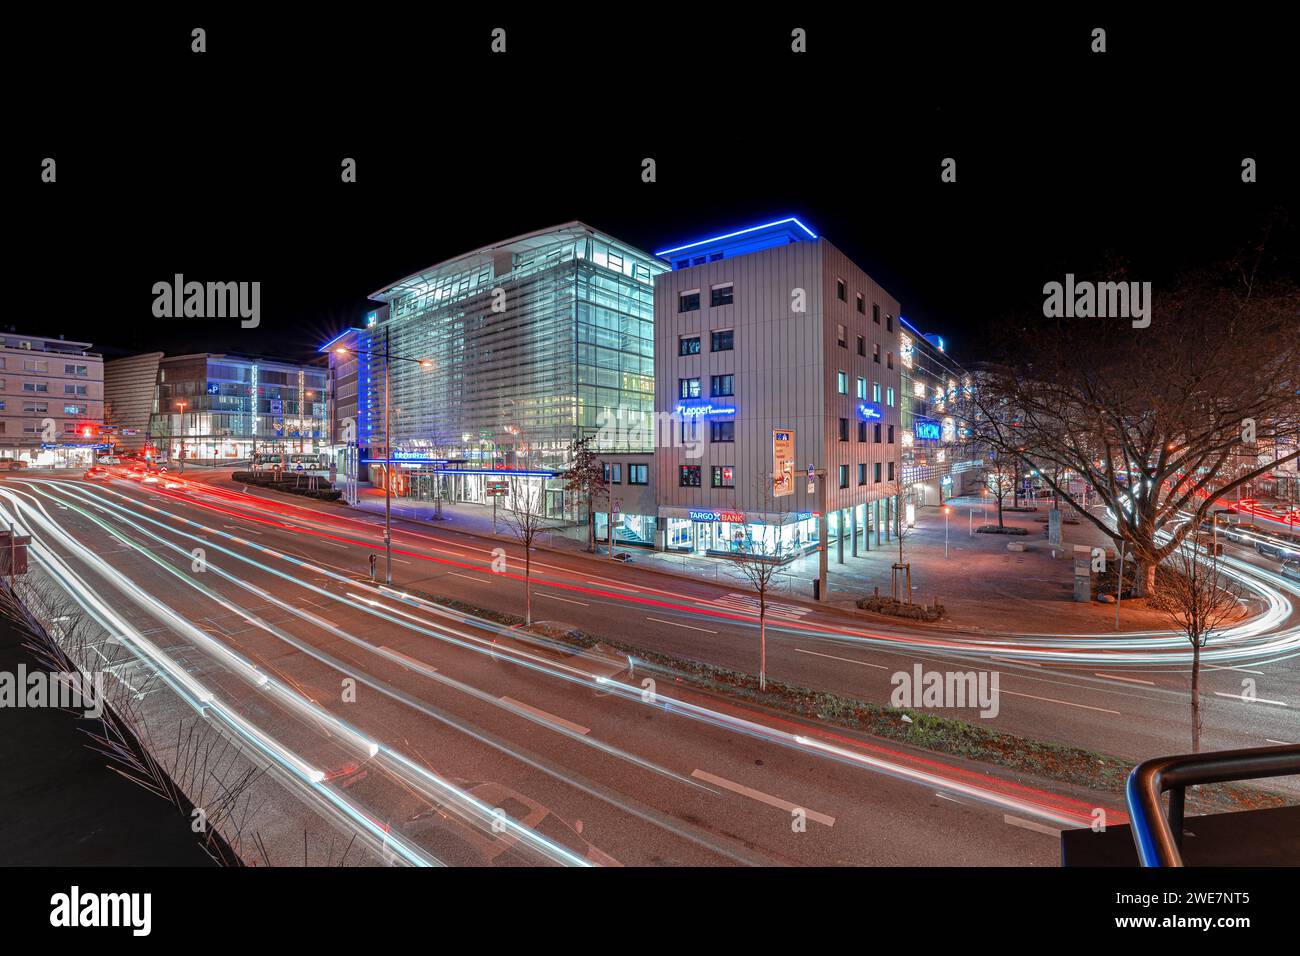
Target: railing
1159,836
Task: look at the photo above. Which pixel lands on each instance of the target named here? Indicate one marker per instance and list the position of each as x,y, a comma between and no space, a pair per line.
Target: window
875,392
844,429
862,346
81,371
37,387
2,405
891,471
32,365
842,382
721,295
889,396
889,360
862,388
615,262
688,476
844,476
688,301
862,474
68,389
889,323
723,341
722,385
875,352
41,407
891,439
862,305
688,388
724,476
877,472
842,336
613,473
74,409
688,345
875,313
722,431
862,431
841,290
638,474
877,433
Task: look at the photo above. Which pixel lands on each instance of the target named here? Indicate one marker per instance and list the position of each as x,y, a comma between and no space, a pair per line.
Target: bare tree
902,571
999,481
585,477
1150,418
1197,599
525,517
758,561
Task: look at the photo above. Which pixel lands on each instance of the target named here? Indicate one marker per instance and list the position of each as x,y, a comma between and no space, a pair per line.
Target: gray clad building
778,358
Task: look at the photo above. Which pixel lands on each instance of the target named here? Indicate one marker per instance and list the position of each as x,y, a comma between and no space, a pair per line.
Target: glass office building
506,355
226,407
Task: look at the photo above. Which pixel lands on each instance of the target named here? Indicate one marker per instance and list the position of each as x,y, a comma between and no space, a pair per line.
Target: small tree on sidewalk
525,518
758,564
999,480
1197,599
902,576
585,478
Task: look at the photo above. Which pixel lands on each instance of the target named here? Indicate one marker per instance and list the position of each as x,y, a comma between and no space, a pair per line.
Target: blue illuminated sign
927,430
870,413
703,515
702,411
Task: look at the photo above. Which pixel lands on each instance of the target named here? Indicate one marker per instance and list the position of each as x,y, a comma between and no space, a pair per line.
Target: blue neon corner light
705,410
740,241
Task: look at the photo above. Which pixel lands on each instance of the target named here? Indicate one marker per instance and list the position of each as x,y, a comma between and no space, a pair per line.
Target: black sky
225,166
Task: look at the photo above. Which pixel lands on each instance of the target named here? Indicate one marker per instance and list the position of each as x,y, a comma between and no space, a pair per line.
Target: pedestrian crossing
748,604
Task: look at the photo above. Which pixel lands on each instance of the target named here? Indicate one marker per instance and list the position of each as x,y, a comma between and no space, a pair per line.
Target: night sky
225,166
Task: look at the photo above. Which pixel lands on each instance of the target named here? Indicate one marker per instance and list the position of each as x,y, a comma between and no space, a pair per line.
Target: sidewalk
982,585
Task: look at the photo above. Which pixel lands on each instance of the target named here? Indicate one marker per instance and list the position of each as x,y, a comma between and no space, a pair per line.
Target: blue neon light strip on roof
739,232
326,346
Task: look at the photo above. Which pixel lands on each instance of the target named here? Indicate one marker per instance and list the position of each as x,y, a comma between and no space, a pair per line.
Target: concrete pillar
839,537
822,525
853,518
889,524
875,515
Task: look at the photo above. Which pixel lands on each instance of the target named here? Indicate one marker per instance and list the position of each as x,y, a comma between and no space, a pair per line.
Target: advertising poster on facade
782,462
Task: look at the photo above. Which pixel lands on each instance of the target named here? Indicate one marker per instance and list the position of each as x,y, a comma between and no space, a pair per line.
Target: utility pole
388,471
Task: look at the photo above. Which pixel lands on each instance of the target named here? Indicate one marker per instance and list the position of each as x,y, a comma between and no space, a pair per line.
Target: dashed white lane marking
1285,743
1008,660
556,597
550,718
1031,825
944,796
1239,670
1067,703
760,796
847,660
409,661
1252,700
689,627
1131,680
467,577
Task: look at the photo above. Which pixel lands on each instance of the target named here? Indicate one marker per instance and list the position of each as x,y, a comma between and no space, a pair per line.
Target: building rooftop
737,242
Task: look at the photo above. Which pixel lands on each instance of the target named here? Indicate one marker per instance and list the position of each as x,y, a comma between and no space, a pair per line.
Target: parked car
109,460
1291,569
1278,547
15,464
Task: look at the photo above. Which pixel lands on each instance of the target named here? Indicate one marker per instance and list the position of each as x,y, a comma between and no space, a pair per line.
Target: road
432,735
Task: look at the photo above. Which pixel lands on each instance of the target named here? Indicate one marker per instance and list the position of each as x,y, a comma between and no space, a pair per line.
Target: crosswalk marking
748,604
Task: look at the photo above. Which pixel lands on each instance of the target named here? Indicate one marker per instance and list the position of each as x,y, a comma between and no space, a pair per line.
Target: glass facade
222,407
519,349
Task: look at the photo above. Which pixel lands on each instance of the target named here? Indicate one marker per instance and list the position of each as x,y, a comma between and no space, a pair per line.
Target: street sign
497,489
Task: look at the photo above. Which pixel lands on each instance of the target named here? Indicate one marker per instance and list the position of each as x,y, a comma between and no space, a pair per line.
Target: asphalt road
385,716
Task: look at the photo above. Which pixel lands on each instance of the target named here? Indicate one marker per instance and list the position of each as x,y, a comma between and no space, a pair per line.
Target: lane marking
556,597
1241,670
1008,660
847,660
691,627
761,797
1252,700
1131,680
410,662
1285,743
457,574
549,718
1067,703
1031,825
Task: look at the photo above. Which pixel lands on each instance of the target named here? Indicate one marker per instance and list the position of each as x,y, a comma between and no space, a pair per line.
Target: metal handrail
1158,837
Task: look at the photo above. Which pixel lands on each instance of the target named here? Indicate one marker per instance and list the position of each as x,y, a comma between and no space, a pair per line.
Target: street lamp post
388,443
946,512
182,405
